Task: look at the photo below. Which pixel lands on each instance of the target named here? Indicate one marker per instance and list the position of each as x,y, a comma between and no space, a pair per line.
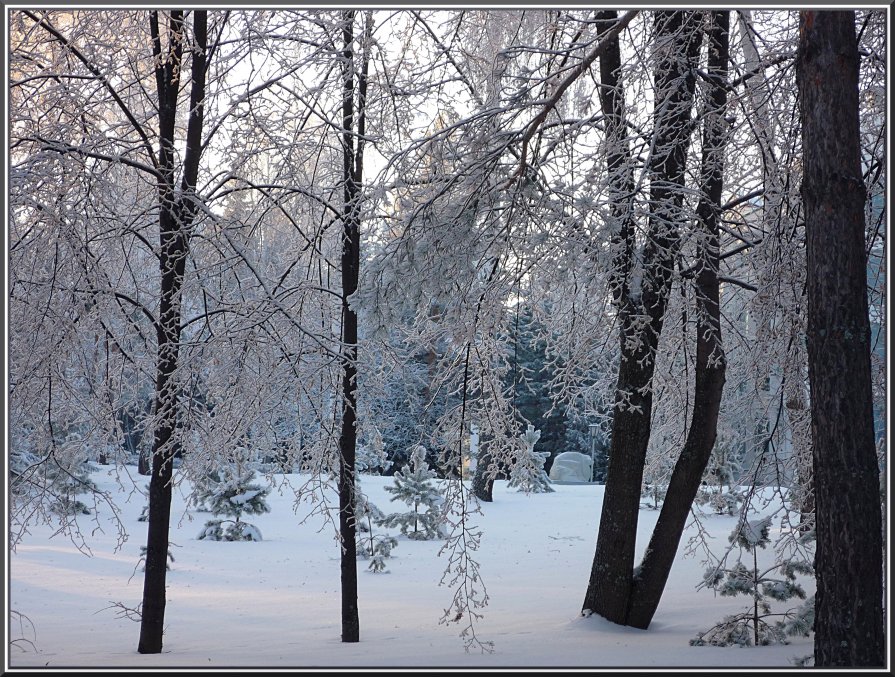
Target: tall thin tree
354,102
177,209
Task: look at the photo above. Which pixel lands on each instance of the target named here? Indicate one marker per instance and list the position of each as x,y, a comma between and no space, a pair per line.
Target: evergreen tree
205,487
530,374
143,556
64,485
777,582
528,474
372,546
234,495
414,485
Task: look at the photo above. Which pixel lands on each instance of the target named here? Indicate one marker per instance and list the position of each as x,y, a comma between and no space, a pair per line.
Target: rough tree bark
612,575
176,212
848,626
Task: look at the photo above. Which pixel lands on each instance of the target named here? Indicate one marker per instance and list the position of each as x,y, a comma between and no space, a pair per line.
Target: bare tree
353,129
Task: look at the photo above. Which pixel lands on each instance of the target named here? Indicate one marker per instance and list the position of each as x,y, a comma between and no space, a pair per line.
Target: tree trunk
352,165
482,481
848,628
653,572
175,215
611,580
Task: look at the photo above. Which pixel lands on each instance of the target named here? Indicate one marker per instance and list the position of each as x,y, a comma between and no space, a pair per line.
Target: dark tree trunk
653,572
143,462
848,627
175,215
352,165
482,480
611,580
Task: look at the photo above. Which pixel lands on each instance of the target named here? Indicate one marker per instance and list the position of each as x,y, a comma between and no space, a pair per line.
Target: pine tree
414,485
375,547
234,495
204,488
777,582
528,474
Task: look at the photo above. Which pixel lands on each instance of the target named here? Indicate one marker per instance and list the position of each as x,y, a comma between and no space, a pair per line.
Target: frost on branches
414,485
233,494
528,473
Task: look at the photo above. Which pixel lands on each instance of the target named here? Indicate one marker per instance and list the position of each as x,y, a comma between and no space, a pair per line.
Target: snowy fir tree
370,545
528,473
414,486
205,487
718,491
65,484
752,626
235,495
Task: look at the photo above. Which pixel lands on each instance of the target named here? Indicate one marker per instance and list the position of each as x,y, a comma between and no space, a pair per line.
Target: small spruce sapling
234,495
528,473
372,546
778,582
414,485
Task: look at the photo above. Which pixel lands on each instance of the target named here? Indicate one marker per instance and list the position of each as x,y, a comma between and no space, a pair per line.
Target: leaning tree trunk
611,581
175,215
848,628
352,166
649,583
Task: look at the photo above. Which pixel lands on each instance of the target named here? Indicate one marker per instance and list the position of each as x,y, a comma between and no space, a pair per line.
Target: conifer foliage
752,626
66,484
528,474
414,486
370,545
233,495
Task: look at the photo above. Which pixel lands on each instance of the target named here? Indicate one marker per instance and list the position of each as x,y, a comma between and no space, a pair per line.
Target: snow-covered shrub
653,494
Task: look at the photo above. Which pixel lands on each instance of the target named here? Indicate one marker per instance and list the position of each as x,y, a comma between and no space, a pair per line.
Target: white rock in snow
572,466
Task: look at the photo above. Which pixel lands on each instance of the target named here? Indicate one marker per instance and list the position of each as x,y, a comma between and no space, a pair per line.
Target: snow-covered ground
276,603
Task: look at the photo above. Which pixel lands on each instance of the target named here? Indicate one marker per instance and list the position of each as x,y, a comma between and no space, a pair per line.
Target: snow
276,603
244,497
